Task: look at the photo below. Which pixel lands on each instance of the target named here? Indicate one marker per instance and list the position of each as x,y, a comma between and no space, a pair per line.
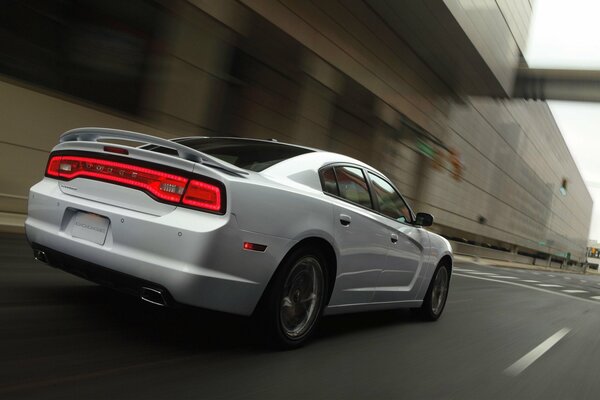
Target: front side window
353,185
388,200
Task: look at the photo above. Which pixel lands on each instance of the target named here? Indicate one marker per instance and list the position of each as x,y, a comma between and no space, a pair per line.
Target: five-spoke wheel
294,299
302,293
437,293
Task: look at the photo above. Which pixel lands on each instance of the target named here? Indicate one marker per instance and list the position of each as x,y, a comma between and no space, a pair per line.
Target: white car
252,227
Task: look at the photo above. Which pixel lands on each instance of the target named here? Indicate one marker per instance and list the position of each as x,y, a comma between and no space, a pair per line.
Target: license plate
90,227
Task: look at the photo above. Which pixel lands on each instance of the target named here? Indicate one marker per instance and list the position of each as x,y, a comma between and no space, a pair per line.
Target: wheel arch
330,257
446,260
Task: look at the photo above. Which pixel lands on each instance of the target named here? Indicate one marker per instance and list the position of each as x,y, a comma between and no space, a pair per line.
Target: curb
510,264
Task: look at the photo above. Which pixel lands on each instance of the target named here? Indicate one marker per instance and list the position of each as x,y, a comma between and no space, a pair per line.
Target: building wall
31,124
517,15
485,23
329,74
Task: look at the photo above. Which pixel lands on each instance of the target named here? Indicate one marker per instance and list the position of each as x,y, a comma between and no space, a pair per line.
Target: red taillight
203,195
165,186
53,164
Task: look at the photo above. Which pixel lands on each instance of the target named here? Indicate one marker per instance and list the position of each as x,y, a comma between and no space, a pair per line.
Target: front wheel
294,299
437,294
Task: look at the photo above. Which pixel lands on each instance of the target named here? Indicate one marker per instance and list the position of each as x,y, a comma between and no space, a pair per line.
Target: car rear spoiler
185,152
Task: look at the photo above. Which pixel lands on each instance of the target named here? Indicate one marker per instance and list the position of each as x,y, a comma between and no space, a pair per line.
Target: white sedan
252,227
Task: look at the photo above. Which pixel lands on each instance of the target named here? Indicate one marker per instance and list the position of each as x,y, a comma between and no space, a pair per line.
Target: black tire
281,305
433,305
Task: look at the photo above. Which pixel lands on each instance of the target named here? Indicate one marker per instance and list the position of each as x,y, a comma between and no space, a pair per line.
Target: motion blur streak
419,90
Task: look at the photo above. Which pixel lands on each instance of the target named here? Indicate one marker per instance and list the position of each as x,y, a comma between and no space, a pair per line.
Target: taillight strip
164,186
203,195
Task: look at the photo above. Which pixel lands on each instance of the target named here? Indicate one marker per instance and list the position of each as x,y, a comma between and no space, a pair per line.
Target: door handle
345,219
394,238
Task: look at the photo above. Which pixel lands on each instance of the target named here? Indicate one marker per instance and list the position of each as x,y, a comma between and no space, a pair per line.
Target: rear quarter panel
293,212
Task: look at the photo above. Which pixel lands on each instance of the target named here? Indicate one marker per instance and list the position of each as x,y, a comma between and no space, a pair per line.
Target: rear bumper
196,257
124,283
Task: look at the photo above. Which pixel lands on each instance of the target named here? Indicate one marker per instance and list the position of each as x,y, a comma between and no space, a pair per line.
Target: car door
361,240
400,279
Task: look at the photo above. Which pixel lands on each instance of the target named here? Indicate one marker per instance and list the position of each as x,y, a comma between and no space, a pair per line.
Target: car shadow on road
197,330
365,322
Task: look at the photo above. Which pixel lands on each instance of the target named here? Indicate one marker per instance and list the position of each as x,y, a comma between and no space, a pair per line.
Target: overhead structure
557,84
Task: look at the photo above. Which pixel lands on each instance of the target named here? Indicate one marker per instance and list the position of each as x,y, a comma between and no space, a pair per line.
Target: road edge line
524,362
529,287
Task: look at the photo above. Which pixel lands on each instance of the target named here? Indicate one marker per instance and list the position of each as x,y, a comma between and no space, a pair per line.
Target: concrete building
419,89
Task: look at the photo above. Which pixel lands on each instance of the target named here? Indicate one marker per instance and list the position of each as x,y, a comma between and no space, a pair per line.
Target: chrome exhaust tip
40,256
154,296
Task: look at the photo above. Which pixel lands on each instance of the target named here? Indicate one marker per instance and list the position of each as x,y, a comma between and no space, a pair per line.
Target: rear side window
353,186
388,200
329,182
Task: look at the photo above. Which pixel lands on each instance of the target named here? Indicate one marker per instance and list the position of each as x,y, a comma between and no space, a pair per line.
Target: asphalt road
503,336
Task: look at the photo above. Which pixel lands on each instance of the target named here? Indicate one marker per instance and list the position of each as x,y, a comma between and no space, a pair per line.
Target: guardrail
484,252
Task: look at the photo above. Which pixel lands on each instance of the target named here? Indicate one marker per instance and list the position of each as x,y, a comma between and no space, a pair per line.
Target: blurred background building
419,89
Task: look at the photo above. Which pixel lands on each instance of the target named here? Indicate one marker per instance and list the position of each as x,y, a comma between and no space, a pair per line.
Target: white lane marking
530,281
522,363
568,296
464,270
595,297
503,277
551,276
483,273
575,291
458,301
548,285
583,281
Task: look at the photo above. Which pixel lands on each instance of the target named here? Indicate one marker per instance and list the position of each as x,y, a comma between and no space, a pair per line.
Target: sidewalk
509,264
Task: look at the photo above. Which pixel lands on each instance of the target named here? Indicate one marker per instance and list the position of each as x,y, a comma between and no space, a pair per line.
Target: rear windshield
248,154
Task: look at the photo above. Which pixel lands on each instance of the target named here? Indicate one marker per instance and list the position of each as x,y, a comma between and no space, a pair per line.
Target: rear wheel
437,294
294,300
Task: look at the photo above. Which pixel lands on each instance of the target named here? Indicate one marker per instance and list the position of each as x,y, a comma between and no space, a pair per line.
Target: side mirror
424,219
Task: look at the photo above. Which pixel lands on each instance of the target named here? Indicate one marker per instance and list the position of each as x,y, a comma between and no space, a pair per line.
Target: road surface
506,334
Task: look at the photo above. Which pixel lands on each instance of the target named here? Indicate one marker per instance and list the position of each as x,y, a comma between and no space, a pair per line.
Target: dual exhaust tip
40,256
153,296
148,294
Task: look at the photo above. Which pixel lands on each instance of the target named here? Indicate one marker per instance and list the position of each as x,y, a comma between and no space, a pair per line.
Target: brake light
114,149
164,186
53,165
203,195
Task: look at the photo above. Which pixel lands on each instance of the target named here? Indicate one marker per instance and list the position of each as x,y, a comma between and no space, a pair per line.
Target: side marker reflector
254,246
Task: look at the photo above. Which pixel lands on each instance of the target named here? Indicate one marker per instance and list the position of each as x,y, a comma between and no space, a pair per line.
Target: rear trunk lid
131,177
